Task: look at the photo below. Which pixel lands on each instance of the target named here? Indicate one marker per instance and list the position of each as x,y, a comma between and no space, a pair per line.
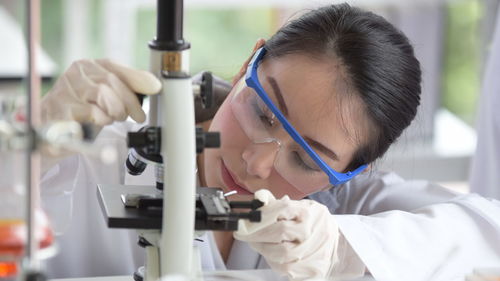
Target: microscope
167,215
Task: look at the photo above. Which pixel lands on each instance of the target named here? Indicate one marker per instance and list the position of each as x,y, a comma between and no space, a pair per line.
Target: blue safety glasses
252,81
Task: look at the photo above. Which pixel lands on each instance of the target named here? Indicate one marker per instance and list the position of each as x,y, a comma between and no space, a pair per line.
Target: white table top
250,275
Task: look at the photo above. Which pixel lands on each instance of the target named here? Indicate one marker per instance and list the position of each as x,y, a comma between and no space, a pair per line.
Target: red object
13,237
8,269
19,116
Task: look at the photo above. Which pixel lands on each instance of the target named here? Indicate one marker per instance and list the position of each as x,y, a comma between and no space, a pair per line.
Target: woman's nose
260,157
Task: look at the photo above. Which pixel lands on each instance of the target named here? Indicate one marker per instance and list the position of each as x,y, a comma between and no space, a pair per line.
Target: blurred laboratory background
450,38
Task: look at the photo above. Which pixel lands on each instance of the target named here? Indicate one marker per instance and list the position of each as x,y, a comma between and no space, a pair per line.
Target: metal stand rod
33,120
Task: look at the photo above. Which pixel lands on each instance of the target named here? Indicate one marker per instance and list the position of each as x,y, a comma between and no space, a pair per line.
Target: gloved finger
279,253
124,93
110,103
296,271
79,80
291,251
282,209
93,84
90,83
246,227
277,232
92,114
127,99
99,117
139,81
316,243
272,213
265,196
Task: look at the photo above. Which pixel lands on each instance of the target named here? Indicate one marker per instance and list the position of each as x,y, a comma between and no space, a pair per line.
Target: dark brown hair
377,58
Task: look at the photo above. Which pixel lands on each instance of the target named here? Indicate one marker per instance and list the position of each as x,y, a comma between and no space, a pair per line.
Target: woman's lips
229,181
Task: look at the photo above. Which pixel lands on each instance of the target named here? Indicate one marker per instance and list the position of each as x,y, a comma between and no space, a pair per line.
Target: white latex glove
98,92
300,239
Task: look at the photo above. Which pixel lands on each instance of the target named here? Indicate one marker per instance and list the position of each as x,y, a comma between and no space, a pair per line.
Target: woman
348,83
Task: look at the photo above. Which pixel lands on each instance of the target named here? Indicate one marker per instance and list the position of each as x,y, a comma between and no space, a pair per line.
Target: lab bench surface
254,275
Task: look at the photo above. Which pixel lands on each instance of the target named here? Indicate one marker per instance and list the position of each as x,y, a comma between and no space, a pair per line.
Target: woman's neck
224,241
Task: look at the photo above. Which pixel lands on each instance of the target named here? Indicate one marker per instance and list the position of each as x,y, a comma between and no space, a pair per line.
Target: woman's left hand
297,238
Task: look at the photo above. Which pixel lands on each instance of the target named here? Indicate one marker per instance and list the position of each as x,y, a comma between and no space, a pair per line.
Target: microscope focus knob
207,89
212,139
206,140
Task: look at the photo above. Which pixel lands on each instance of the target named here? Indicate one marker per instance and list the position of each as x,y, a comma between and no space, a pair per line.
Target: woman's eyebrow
278,94
319,146
282,105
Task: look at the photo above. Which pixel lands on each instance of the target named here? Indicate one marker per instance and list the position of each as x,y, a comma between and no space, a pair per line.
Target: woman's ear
368,168
260,42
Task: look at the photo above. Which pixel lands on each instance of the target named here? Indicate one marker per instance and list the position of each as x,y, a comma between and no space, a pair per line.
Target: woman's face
315,101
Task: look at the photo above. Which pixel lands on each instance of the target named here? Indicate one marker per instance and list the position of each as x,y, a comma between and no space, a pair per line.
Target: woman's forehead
321,81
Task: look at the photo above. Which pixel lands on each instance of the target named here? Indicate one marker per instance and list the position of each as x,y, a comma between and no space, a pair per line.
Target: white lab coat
400,230
86,246
485,175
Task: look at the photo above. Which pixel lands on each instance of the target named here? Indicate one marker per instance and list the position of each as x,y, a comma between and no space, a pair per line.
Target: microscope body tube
157,61
179,158
154,100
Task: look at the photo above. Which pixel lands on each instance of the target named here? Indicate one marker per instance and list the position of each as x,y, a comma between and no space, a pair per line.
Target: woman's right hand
98,92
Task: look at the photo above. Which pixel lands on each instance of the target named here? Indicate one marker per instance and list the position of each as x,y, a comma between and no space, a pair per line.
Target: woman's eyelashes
301,163
265,115
268,119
